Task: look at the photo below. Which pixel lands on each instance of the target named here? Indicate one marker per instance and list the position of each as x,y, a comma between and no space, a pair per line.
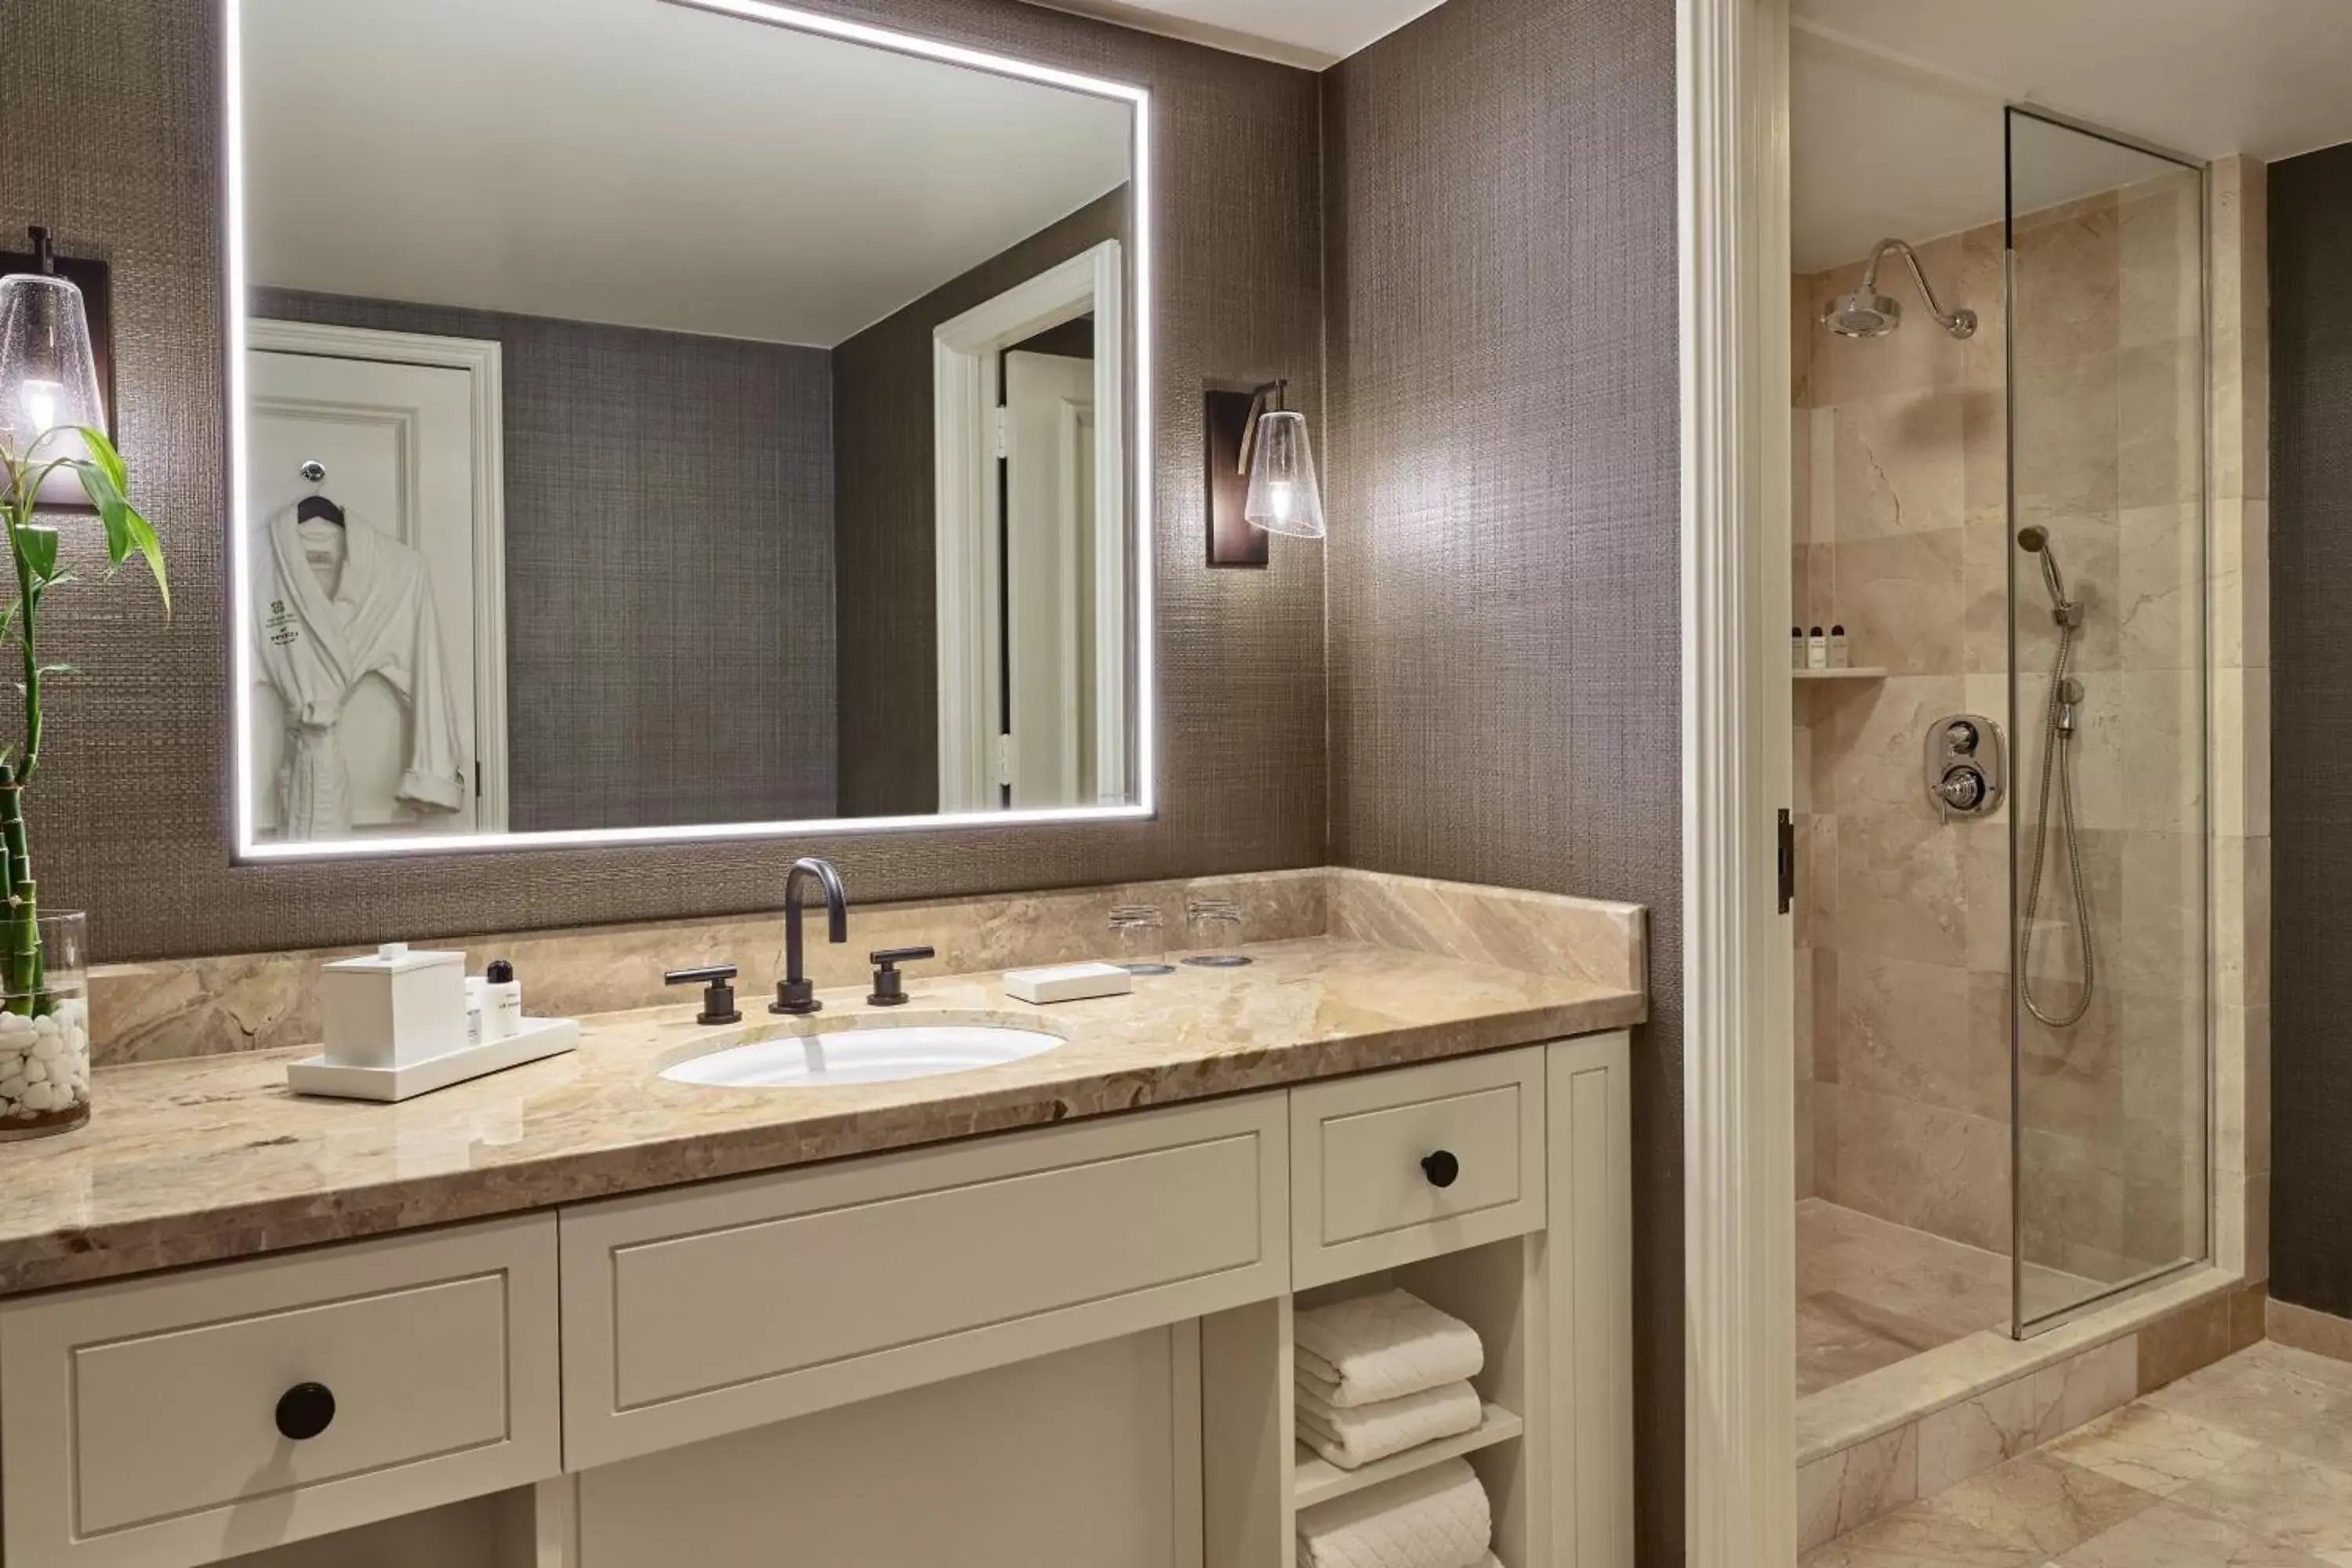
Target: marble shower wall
1903,536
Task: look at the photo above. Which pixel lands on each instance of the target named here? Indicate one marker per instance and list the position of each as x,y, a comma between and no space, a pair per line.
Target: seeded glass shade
48,378
1283,497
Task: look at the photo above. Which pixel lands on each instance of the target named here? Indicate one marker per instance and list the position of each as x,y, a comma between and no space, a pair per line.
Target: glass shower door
2107,820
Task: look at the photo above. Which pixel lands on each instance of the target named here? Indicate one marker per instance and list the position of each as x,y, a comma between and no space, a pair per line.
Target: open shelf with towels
1316,1479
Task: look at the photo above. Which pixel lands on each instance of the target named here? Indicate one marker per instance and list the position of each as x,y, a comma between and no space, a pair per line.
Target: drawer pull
305,1410
1441,1168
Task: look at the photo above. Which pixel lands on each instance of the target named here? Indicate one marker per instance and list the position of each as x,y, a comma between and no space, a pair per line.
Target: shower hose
2057,758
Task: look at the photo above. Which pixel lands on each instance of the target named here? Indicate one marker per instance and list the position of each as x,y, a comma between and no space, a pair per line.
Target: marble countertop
212,1158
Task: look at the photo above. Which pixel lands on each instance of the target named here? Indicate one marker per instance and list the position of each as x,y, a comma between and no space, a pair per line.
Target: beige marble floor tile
2153,1449
2042,1503
2262,1393
1871,1293
2295,1502
2170,1536
1921,1537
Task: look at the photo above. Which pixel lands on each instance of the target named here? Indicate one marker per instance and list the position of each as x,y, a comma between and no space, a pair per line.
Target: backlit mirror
661,420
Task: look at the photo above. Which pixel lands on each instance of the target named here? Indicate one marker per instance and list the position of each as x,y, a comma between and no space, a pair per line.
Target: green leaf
142,534
60,669
40,547
107,458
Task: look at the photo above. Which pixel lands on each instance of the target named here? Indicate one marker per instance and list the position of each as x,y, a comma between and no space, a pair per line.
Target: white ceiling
644,165
1310,33
1895,122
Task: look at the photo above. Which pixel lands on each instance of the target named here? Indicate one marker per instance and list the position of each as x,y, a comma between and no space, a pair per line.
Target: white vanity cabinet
189,1418
1064,1345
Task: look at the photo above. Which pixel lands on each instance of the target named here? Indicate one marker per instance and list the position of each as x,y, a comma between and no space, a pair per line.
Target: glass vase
44,1032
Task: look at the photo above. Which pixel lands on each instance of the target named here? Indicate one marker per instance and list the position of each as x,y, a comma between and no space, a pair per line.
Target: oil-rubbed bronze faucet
794,993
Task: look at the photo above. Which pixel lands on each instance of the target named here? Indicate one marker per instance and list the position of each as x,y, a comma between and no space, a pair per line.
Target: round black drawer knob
306,1410
1441,1168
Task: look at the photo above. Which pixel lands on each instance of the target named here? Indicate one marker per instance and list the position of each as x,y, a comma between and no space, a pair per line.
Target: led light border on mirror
1146,638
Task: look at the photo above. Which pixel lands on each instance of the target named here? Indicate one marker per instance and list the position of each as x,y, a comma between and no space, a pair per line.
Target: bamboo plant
33,551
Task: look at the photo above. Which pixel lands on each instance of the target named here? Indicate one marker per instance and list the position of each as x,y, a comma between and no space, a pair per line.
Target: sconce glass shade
48,377
1283,495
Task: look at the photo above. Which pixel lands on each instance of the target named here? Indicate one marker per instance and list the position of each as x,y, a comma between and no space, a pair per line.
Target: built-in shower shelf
1863,672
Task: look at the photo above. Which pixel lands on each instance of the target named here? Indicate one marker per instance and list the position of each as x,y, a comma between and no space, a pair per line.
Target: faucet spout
795,994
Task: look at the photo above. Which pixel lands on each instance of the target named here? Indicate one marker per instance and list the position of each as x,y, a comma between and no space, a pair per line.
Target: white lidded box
396,1007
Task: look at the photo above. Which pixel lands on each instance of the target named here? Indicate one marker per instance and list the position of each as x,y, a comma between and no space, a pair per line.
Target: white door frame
481,359
966,398
1738,1076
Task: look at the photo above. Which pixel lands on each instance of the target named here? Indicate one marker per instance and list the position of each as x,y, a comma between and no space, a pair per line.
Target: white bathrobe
313,651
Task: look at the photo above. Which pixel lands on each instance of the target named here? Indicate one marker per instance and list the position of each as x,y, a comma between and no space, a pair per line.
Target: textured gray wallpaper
889,611
1504,494
669,566
2311,727
109,132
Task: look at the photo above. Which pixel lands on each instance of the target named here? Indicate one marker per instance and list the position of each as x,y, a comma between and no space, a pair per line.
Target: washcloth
1382,1347
1353,1437
1435,1518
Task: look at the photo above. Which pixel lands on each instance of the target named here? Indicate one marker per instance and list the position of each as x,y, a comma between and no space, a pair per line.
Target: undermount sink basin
839,1057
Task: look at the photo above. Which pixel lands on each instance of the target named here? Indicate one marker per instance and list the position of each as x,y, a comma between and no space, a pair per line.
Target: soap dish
537,1039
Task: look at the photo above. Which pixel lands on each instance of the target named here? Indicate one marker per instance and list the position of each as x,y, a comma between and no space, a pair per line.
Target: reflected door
1051,683
396,443
2106,252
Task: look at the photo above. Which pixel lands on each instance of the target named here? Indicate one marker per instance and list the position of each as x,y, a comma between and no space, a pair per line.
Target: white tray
538,1039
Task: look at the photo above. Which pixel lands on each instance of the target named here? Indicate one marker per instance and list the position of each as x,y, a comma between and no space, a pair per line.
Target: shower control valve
1964,765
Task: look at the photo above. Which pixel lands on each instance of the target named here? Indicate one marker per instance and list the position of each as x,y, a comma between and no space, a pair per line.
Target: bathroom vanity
579,1314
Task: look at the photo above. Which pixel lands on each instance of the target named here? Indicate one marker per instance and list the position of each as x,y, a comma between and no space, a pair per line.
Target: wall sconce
50,342
1283,495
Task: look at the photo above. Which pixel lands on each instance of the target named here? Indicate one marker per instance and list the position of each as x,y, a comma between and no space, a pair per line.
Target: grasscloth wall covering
1504,473
110,134
889,602
669,566
2311,665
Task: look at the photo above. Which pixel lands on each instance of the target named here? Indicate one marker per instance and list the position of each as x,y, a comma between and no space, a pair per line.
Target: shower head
1863,314
1867,313
2035,541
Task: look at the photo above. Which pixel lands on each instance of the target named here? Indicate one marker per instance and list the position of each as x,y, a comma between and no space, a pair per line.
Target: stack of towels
1382,1374
1376,1376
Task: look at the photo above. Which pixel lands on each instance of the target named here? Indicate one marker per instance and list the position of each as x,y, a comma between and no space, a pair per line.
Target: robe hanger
314,506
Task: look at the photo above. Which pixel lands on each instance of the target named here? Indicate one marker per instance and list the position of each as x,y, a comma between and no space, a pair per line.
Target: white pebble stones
45,1066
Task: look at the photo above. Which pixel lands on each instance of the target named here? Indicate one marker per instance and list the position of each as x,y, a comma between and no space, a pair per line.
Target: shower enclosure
2107,421
2004,972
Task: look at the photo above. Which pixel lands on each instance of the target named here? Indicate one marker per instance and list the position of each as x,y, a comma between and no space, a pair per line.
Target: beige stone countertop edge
242,1096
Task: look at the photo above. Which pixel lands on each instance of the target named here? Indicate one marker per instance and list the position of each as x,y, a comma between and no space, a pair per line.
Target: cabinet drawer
691,1314
1403,1165
149,1421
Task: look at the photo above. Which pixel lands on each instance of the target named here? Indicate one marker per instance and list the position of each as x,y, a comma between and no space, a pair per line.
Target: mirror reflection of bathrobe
314,652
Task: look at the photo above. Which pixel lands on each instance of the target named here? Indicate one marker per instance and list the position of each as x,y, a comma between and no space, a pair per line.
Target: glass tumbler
1216,930
1142,935
45,1026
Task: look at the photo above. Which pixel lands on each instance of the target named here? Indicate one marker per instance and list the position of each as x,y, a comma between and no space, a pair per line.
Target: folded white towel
1382,1347
1352,1437
1435,1518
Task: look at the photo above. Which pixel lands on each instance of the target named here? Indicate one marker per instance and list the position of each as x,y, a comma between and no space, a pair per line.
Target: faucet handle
890,986
717,997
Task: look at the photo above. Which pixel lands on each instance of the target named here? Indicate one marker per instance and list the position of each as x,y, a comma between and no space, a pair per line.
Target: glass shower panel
2107,360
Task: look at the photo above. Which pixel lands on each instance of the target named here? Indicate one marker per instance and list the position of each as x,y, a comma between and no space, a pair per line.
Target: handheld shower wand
2057,759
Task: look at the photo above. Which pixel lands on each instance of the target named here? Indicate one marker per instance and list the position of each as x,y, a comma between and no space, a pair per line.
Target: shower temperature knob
1963,789
1964,769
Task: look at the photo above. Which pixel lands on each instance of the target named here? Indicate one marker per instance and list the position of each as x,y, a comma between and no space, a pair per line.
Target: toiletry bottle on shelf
501,1001
1837,647
1817,649
1796,648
